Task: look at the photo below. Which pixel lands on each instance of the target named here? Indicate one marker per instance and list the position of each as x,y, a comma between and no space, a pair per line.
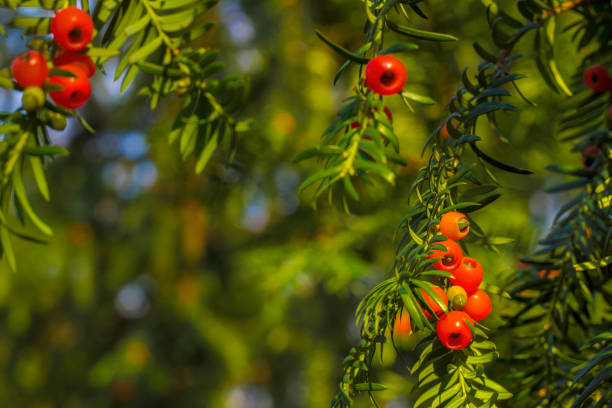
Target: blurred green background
162,288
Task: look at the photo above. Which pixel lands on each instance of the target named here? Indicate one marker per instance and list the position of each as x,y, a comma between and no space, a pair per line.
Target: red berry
544,273
478,305
597,78
587,157
432,303
453,331
76,89
454,225
77,59
72,28
402,327
444,132
468,275
451,258
385,75
30,69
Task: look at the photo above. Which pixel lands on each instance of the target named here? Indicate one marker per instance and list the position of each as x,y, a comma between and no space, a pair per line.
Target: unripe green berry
45,116
58,121
33,98
458,302
457,297
54,120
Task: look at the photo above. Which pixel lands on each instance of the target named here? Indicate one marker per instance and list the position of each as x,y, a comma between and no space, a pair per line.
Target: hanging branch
361,142
153,37
559,291
448,182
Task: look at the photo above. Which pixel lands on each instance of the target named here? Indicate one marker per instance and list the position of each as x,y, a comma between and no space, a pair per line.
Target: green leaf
7,247
420,34
102,52
49,150
369,387
382,171
319,176
569,185
484,54
425,100
487,107
399,47
497,163
558,78
145,51
39,176
341,50
500,240
61,72
23,200
207,152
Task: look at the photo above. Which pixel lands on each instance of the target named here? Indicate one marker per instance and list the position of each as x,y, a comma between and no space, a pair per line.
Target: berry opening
387,77
454,339
594,77
463,224
75,95
448,259
76,34
588,161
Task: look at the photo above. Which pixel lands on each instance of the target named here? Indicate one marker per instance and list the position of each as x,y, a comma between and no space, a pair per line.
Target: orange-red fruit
468,275
402,327
453,331
432,303
454,225
72,28
451,258
478,305
385,75
597,78
548,273
76,90
444,132
77,59
30,69
587,159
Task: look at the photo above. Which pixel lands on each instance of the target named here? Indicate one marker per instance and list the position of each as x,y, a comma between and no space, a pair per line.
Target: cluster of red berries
466,302
72,30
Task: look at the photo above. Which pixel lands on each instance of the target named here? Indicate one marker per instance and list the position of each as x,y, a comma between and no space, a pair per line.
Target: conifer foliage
449,376
562,343
156,38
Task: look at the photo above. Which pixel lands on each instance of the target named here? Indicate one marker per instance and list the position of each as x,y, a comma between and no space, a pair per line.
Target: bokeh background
162,288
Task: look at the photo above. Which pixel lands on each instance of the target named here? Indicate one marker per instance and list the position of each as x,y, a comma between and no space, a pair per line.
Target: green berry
53,119
33,98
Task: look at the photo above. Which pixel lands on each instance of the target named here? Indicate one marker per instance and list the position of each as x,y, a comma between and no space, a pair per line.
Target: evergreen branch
436,187
361,143
572,263
150,36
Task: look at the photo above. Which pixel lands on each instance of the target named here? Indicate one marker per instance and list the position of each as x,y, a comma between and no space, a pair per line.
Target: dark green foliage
156,37
567,279
436,190
361,143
